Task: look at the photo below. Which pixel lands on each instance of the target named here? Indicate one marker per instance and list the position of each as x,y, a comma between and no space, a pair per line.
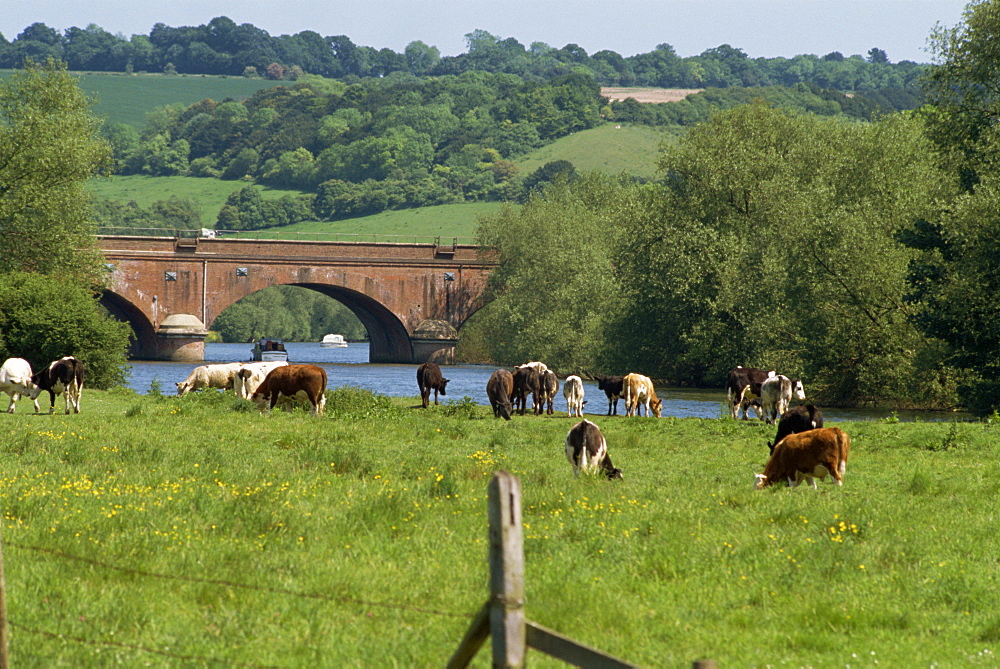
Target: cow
541,368
612,387
499,389
742,387
251,375
573,392
587,450
526,381
299,383
15,380
65,375
797,419
807,455
639,391
776,394
548,386
429,378
209,376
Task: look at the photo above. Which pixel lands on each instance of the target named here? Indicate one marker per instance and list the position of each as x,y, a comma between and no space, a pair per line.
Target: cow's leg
13,402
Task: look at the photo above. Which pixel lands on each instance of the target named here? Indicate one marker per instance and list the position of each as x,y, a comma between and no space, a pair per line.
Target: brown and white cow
251,375
638,390
612,387
499,389
797,419
776,393
587,450
292,383
573,392
743,386
526,381
221,375
65,375
15,380
429,378
807,455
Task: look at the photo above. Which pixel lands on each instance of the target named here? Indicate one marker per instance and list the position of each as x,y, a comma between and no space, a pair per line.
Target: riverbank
196,527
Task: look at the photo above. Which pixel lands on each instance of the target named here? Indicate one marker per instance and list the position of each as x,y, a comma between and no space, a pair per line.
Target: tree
49,147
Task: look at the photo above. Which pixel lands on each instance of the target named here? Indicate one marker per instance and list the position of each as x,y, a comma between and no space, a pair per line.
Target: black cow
743,387
795,420
526,380
613,388
65,375
499,389
429,378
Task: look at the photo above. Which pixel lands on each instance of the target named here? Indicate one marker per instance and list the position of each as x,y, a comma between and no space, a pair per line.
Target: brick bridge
411,297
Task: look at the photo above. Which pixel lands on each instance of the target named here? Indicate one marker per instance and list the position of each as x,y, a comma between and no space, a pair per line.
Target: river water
350,367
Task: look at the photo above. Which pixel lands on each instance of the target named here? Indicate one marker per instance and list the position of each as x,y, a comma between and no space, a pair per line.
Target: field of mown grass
193,531
610,148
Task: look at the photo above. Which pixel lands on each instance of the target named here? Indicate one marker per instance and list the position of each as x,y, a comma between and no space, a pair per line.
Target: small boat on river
269,349
333,341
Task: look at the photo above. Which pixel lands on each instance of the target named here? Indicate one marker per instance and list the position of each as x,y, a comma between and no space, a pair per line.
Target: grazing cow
742,387
573,392
776,394
815,453
797,419
292,383
64,375
548,386
526,381
638,392
251,375
15,380
587,450
612,387
499,389
209,376
429,378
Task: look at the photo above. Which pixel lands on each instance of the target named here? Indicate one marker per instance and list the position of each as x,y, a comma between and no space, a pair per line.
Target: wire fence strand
342,599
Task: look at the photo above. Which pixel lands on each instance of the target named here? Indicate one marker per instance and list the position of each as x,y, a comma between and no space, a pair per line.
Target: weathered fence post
4,661
506,571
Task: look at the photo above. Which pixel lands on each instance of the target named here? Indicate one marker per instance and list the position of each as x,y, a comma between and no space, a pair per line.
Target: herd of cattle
802,449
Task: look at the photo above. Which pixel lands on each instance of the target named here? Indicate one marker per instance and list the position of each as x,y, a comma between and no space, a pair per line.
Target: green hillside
609,148
210,194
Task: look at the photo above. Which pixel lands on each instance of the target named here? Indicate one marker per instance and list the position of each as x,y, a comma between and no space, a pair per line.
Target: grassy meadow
609,148
194,531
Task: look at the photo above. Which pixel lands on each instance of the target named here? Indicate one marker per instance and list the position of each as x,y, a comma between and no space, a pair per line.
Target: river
350,367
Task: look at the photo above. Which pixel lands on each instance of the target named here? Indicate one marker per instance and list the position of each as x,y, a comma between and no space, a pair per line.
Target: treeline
288,312
402,141
222,47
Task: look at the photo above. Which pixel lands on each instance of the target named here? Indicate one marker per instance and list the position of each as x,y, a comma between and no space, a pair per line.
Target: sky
761,28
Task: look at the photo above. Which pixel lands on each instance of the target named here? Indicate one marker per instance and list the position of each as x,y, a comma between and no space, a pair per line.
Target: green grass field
193,531
607,148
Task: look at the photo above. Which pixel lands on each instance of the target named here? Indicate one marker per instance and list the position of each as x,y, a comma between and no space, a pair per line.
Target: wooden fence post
506,571
4,660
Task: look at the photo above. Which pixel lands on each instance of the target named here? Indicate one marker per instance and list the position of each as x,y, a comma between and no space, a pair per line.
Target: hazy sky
765,28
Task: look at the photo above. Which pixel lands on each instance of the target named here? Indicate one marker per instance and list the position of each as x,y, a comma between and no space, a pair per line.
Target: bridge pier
181,338
434,341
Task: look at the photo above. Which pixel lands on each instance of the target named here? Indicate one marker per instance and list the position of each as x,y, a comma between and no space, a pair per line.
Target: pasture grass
164,530
610,148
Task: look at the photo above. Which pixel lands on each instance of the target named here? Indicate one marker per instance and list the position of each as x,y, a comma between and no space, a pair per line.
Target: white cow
15,380
776,394
573,392
251,375
209,376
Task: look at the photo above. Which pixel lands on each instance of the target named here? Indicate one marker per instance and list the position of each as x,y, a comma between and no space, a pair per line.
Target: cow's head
798,390
615,474
760,481
183,388
260,400
505,408
444,383
657,407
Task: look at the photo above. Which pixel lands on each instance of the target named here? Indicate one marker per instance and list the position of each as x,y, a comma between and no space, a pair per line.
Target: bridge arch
412,298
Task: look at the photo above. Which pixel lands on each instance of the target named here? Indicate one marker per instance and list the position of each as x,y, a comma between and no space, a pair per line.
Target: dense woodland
790,229
223,47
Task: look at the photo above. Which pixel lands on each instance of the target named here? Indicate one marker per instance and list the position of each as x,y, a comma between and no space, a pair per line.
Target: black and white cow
65,375
743,387
587,450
